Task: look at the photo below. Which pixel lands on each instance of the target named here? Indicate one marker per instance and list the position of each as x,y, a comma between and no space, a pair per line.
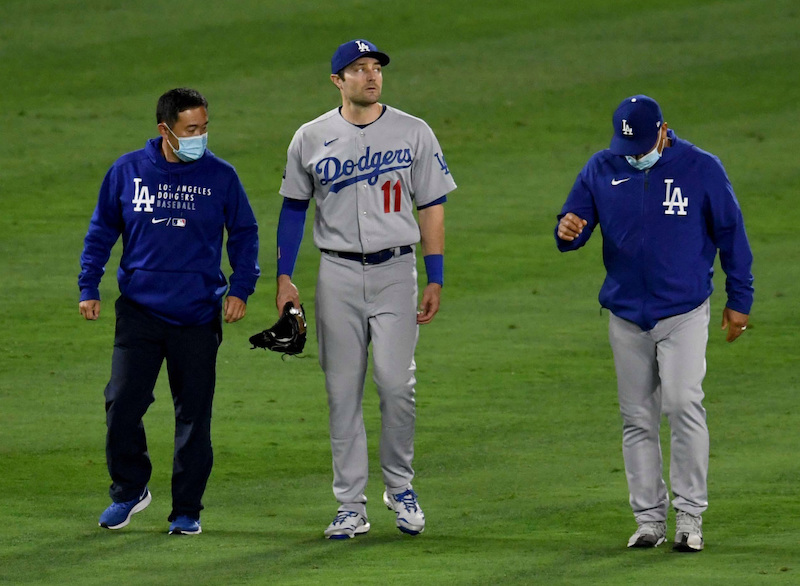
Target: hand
429,305
286,292
90,309
737,322
234,309
570,227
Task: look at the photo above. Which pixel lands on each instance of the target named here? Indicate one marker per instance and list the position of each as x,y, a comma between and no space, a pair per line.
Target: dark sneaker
688,532
649,534
119,514
184,525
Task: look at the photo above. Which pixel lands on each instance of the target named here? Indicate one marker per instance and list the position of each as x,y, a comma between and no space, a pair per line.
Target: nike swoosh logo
618,181
327,142
156,221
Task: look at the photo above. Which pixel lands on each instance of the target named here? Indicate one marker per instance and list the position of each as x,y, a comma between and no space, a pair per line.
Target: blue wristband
434,267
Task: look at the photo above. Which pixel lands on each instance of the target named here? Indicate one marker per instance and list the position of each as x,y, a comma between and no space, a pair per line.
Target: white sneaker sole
344,534
182,532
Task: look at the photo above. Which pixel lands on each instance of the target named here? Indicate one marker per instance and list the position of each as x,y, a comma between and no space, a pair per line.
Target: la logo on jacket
674,198
142,197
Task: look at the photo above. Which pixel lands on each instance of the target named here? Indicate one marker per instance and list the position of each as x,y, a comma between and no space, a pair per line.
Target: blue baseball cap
352,50
637,122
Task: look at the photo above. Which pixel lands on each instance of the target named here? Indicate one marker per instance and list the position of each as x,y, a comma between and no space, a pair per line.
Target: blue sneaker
184,525
119,514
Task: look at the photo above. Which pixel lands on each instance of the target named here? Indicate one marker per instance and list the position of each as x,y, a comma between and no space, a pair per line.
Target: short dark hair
176,101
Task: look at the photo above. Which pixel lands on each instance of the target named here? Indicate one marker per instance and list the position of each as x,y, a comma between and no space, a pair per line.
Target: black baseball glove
287,335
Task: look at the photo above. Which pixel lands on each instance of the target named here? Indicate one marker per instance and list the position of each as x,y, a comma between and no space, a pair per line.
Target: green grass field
519,464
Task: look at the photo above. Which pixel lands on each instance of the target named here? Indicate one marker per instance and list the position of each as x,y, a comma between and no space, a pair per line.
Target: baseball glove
287,335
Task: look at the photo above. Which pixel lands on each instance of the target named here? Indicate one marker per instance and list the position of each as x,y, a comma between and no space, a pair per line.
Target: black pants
141,343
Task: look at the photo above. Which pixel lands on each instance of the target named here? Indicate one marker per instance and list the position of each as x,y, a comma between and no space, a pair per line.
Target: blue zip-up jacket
661,232
172,217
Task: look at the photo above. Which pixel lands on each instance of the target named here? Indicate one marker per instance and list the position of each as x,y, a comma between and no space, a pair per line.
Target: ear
166,135
337,81
663,137
162,130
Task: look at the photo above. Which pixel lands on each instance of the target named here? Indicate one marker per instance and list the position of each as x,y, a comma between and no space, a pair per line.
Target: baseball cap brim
382,58
625,146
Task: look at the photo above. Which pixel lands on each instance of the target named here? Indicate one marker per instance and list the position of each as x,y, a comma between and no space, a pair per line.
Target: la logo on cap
626,128
363,47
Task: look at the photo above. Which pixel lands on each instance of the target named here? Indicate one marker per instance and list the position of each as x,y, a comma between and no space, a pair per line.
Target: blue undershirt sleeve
291,225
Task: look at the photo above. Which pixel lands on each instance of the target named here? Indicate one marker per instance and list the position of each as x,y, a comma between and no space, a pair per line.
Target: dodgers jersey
365,181
661,231
172,217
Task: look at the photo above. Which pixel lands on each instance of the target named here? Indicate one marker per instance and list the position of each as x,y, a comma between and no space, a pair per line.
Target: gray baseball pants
660,372
357,305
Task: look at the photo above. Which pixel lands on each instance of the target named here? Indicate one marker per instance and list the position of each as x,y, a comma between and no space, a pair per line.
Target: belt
372,258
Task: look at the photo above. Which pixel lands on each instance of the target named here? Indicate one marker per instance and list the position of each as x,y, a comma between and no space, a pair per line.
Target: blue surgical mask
190,148
645,161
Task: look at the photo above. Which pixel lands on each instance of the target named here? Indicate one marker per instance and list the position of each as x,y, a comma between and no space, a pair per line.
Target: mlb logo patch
179,222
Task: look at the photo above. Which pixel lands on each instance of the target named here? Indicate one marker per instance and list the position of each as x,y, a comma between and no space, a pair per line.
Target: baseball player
367,166
171,202
665,207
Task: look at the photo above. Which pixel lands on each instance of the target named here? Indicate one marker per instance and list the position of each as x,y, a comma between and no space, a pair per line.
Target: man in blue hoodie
171,202
665,207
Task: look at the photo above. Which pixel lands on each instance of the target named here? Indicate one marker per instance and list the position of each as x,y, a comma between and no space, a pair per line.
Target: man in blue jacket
171,202
665,207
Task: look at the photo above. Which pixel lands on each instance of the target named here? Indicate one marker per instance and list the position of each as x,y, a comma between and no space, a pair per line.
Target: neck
358,114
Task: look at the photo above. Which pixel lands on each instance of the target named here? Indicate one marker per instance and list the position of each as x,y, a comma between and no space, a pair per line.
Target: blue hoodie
661,232
172,217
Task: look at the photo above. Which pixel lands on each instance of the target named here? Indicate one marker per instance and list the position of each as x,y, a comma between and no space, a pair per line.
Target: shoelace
408,499
343,516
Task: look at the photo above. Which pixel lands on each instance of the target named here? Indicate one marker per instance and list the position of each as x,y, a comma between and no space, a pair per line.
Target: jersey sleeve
105,228
242,243
581,203
430,175
297,183
729,236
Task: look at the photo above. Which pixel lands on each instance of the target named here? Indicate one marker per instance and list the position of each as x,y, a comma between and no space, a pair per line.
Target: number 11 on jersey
387,196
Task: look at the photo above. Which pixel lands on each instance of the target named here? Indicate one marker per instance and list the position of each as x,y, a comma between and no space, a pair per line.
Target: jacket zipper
644,236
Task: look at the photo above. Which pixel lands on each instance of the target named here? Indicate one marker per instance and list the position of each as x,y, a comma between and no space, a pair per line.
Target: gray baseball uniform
366,182
661,371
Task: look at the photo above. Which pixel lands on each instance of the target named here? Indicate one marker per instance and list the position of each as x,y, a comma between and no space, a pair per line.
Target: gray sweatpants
357,305
661,372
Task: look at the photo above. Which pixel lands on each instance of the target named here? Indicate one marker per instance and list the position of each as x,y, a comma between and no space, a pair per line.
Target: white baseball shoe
410,518
346,525
649,534
688,532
